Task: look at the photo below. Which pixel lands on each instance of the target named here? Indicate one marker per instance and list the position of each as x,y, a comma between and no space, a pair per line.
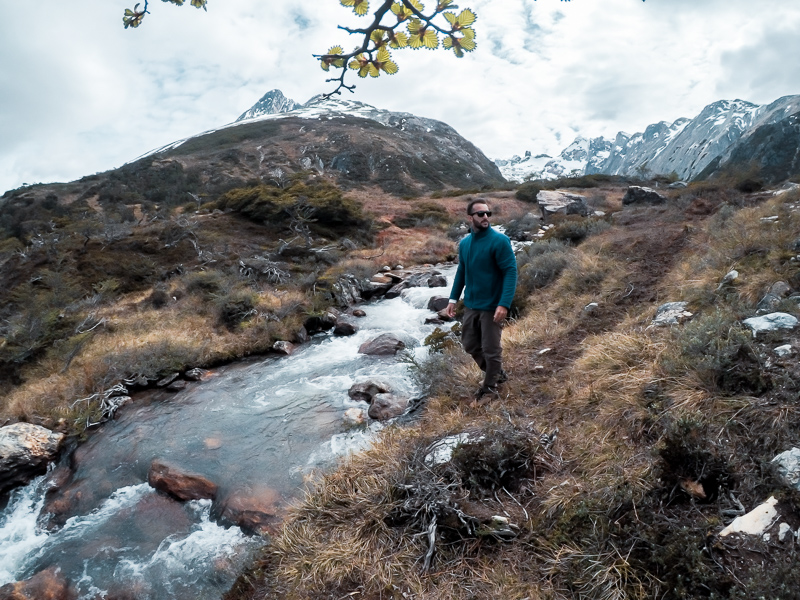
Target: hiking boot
502,378
486,393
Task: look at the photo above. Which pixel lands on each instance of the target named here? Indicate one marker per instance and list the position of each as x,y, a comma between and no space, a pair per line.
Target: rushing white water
253,428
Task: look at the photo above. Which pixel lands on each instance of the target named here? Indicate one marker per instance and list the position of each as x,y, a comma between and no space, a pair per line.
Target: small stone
788,464
780,289
544,351
194,374
671,313
283,347
168,379
359,313
591,307
784,350
353,417
176,386
437,303
784,531
398,267
385,269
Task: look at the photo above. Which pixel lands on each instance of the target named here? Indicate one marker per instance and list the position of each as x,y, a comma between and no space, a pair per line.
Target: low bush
538,265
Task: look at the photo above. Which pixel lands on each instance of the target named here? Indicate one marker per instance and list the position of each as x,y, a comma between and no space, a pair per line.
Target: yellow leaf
466,18
398,39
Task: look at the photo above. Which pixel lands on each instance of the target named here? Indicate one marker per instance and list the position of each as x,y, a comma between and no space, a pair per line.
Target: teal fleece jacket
487,268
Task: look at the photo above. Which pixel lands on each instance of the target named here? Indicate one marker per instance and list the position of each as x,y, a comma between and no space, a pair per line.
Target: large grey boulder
25,451
771,322
385,344
552,202
642,195
387,406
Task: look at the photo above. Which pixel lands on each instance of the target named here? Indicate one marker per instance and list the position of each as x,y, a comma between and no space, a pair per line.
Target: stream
256,428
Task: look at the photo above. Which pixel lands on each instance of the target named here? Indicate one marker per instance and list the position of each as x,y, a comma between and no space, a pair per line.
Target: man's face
479,223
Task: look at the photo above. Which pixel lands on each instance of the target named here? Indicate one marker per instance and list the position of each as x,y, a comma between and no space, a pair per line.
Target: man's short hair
474,202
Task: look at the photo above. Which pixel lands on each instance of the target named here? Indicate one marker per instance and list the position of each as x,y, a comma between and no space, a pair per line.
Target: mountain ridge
686,147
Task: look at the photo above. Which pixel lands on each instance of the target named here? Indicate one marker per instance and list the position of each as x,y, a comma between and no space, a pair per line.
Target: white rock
784,350
784,531
771,322
591,307
671,313
442,451
354,417
756,522
788,464
545,350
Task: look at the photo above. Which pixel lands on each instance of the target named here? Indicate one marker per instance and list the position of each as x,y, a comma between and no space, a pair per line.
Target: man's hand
500,314
450,311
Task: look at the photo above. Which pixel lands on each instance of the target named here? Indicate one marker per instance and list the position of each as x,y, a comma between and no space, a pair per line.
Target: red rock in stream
255,512
183,485
49,584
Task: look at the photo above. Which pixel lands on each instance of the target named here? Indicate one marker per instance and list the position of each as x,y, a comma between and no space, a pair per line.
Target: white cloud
81,95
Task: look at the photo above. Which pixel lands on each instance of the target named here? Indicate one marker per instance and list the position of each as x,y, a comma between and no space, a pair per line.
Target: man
487,268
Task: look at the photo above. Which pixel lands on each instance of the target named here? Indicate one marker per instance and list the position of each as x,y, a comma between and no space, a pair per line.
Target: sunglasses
482,213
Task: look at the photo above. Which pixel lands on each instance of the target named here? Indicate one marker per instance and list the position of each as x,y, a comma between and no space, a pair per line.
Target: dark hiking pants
480,336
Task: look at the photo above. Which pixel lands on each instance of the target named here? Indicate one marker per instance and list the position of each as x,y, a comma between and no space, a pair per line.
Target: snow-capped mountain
349,142
685,147
273,102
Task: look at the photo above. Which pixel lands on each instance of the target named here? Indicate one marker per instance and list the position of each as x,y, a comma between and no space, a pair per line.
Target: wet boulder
365,391
319,323
386,344
25,451
283,347
387,406
437,303
181,484
49,584
344,328
642,195
256,513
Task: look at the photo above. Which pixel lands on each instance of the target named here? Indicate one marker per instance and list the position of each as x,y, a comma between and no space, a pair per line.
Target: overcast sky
79,94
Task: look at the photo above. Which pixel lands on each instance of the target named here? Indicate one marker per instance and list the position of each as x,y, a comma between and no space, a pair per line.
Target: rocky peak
271,103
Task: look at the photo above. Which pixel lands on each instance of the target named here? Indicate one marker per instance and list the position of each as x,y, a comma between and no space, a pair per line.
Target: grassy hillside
617,450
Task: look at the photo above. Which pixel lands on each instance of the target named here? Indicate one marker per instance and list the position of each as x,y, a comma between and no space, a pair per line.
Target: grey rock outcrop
552,202
283,347
771,322
25,451
642,195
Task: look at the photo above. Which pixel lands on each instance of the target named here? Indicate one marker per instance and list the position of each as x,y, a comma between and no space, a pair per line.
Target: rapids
257,427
